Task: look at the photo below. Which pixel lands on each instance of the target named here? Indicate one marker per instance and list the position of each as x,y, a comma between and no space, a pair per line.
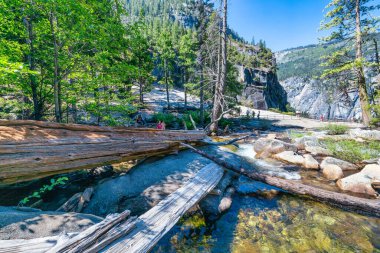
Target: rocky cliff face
308,95
261,89
297,71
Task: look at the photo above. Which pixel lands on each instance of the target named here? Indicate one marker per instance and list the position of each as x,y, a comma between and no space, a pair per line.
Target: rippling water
282,223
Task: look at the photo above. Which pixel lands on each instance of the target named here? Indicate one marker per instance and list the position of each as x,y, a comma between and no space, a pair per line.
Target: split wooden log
155,223
341,200
77,202
91,236
134,235
91,240
34,149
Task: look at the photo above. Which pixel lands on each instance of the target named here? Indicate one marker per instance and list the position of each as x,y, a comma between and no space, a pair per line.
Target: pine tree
349,20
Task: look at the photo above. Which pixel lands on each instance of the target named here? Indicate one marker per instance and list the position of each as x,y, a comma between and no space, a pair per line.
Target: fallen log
155,223
91,240
134,235
341,200
91,236
34,149
77,202
229,142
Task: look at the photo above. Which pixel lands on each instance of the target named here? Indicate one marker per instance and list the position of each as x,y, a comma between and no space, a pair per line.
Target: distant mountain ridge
299,71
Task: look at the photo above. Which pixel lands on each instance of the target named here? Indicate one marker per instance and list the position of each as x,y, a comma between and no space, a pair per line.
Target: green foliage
296,134
291,113
353,151
169,119
38,194
334,129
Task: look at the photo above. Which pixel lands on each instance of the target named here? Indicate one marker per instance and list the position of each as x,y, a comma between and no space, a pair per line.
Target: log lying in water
341,200
34,149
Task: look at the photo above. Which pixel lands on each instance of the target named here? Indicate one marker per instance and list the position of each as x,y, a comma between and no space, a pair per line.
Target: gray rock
361,182
304,141
16,223
261,89
146,184
332,171
317,150
342,164
372,135
308,95
310,162
290,157
267,147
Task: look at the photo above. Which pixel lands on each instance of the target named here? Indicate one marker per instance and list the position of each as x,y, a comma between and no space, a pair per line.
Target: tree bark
57,104
201,34
363,94
37,106
34,149
377,60
345,201
221,84
167,85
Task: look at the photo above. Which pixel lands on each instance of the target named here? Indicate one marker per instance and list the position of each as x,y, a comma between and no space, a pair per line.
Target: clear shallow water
281,223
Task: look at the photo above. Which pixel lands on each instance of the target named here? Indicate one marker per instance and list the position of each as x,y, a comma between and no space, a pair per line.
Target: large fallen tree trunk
345,201
34,149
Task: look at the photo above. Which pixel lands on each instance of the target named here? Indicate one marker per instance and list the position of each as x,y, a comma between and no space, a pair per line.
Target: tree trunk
184,86
221,84
201,99
377,55
37,107
167,85
363,95
141,87
201,28
56,86
35,149
345,201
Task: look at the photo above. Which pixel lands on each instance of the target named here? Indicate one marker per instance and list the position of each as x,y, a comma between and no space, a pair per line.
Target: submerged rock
29,223
331,171
361,182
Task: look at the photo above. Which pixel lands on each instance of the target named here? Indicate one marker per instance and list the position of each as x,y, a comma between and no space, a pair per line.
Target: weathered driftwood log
34,149
93,235
77,201
133,235
155,223
345,201
91,240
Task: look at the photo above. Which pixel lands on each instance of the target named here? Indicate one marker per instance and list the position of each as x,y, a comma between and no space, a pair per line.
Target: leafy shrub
37,194
353,151
334,129
169,119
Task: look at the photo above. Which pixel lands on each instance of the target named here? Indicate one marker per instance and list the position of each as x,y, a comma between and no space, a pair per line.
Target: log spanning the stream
35,149
341,200
115,235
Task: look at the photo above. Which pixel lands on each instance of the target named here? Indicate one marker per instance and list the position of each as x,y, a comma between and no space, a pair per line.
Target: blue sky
281,23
